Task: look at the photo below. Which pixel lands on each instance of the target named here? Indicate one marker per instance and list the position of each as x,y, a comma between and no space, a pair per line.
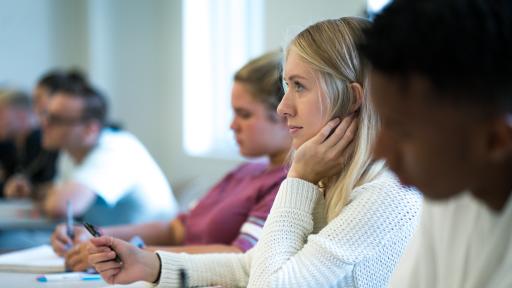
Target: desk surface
28,280
22,214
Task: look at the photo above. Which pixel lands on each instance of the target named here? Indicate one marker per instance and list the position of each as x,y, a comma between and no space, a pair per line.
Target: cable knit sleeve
227,270
359,248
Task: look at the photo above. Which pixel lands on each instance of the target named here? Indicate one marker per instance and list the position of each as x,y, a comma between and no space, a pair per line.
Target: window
219,37
375,6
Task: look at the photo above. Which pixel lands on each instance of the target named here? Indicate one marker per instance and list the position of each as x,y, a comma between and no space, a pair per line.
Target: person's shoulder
387,186
463,204
118,139
108,134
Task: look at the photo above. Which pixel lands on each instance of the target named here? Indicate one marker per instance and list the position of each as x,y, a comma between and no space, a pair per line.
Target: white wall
37,35
285,18
132,50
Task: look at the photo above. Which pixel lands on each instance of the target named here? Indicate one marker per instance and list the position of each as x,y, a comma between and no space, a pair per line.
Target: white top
459,243
359,248
129,184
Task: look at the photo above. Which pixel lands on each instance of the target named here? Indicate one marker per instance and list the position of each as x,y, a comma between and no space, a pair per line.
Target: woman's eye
244,115
298,86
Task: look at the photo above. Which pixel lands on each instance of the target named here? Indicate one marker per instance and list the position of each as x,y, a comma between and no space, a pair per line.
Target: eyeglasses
59,120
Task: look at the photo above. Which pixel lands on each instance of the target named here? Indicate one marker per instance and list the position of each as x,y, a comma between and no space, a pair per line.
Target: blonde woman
339,219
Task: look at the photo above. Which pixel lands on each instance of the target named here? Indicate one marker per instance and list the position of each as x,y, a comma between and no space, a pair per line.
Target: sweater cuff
171,264
297,194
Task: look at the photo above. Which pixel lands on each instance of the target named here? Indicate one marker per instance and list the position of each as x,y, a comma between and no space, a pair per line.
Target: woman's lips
293,129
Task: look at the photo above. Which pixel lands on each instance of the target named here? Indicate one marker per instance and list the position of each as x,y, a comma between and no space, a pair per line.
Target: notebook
39,259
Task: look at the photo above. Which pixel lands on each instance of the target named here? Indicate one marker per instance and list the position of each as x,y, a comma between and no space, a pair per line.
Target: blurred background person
29,163
106,174
21,153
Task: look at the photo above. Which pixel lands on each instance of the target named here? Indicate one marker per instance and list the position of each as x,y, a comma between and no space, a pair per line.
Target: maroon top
233,211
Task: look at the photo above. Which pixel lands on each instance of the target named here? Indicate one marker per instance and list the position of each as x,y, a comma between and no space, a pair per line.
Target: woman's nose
284,109
234,125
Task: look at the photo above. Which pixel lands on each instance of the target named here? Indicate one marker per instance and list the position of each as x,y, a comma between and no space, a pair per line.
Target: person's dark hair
95,104
19,99
55,79
463,47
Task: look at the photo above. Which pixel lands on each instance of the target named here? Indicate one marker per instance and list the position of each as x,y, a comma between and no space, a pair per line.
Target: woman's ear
357,91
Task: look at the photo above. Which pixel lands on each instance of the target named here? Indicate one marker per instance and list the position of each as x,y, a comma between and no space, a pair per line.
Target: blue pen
75,276
69,220
138,242
69,227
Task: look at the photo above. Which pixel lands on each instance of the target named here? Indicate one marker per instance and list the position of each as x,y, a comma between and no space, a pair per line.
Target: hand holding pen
96,233
67,235
137,265
61,242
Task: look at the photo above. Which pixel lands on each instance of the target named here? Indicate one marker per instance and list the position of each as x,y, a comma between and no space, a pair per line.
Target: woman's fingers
74,260
95,250
105,266
60,241
347,136
94,259
102,241
80,266
339,132
325,131
75,250
59,248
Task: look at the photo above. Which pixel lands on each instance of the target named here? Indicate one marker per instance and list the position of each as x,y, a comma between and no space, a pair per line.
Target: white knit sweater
359,248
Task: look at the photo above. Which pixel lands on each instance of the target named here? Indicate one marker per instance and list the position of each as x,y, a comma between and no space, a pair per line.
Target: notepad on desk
39,259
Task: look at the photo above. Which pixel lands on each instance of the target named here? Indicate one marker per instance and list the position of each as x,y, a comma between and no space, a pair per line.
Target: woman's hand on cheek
323,155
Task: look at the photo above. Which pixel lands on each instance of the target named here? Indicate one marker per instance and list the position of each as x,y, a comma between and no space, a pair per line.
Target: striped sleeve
250,231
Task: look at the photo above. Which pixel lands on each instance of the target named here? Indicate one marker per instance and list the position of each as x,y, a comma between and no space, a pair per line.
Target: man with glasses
107,175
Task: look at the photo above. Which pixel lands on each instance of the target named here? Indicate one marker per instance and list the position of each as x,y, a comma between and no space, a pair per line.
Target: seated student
21,152
34,164
339,219
231,215
442,83
108,176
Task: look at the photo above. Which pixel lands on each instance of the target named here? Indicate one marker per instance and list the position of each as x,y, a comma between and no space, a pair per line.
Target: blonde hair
329,47
262,76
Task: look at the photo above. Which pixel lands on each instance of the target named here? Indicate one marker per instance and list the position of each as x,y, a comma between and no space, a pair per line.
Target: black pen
94,232
183,278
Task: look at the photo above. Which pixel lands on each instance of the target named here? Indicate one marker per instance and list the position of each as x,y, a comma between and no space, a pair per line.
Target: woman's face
304,105
257,134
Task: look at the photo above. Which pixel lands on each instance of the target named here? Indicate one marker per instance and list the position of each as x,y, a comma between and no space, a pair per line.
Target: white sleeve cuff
297,194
